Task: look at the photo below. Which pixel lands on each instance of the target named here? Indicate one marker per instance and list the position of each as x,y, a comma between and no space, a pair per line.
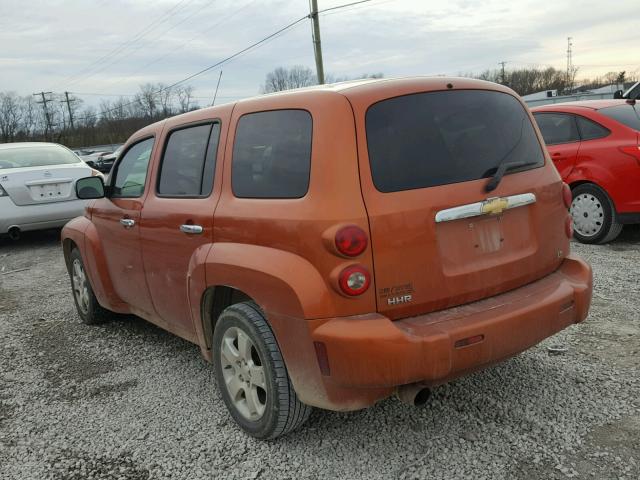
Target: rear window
557,128
437,138
44,156
272,155
625,114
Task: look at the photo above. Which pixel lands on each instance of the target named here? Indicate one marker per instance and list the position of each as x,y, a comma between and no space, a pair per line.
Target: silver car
37,186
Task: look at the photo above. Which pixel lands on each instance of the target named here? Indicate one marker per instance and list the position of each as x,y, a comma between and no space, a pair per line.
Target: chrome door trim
493,206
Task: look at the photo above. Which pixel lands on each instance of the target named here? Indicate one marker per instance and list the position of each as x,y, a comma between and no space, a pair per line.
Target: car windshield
625,114
429,139
42,156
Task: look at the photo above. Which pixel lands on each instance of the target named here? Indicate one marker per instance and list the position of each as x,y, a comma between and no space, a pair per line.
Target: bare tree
286,78
184,94
147,99
165,97
10,115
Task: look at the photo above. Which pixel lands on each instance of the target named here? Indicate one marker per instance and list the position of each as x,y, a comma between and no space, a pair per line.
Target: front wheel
87,305
594,216
251,375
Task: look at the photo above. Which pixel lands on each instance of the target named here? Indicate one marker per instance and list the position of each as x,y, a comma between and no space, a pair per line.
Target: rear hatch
37,185
439,238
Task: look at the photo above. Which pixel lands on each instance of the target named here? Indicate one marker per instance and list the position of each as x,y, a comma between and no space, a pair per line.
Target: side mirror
617,94
89,188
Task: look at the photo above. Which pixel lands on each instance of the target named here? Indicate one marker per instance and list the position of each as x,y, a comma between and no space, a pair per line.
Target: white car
37,186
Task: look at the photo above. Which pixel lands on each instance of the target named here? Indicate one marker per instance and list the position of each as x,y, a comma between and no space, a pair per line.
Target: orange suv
331,246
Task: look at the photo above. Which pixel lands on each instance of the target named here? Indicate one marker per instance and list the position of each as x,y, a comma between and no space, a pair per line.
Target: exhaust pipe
14,233
414,394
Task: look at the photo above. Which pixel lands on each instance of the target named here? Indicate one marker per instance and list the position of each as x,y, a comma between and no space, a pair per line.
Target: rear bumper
370,355
36,217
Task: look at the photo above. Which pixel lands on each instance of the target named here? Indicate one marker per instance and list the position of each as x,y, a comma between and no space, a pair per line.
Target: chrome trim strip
476,209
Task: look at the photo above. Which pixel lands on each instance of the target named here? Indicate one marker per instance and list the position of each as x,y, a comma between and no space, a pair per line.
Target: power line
138,36
108,64
235,55
182,45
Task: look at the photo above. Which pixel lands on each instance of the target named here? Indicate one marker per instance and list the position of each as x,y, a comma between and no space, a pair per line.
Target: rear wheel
251,375
594,216
87,305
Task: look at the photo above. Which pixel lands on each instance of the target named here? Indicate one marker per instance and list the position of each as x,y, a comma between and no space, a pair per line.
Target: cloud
112,46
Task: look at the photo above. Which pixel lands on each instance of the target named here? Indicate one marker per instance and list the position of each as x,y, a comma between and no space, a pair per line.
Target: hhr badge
399,300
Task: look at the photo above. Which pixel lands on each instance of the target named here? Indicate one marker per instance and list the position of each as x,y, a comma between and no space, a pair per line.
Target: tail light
632,150
351,241
567,197
568,226
354,280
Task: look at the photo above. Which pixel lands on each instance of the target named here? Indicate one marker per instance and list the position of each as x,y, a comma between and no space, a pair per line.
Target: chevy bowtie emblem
494,206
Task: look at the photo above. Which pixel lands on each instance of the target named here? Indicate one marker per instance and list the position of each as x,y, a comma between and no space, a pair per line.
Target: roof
7,146
592,104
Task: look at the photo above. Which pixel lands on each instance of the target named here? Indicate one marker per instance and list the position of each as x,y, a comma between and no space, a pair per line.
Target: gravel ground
126,400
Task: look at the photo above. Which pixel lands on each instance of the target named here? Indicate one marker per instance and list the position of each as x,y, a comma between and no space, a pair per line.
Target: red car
595,145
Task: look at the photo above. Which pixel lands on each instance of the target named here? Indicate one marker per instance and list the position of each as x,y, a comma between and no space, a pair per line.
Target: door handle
191,229
127,222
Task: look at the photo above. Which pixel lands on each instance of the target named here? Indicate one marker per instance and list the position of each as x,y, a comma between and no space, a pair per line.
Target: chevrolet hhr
332,246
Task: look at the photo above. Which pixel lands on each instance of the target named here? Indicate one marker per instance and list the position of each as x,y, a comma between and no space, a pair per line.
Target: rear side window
590,130
131,171
557,128
428,139
626,114
272,155
189,161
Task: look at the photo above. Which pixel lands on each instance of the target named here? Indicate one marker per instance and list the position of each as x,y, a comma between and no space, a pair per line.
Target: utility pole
503,63
317,46
46,112
68,102
569,64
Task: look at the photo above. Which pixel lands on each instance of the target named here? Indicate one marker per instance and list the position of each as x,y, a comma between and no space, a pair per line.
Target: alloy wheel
243,373
80,286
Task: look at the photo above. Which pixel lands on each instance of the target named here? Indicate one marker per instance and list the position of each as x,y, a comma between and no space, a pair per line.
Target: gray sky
54,45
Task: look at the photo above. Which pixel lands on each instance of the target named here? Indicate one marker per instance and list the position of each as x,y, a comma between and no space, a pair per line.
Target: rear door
560,133
438,238
117,219
177,218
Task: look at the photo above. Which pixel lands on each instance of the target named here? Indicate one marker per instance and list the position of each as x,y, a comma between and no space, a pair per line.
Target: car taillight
567,197
632,150
568,226
351,241
354,280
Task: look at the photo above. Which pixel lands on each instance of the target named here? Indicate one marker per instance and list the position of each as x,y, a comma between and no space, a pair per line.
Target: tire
89,310
594,216
251,374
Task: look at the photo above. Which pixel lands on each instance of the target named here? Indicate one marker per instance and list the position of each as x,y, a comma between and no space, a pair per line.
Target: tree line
26,118
70,122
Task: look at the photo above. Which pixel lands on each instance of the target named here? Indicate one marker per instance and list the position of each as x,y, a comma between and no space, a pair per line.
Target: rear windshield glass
628,115
428,139
44,156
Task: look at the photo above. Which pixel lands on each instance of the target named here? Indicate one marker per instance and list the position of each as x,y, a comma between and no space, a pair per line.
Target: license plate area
483,242
50,191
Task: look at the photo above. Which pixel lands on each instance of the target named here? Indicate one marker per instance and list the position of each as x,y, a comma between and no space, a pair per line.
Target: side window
590,130
131,171
189,161
272,155
557,128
